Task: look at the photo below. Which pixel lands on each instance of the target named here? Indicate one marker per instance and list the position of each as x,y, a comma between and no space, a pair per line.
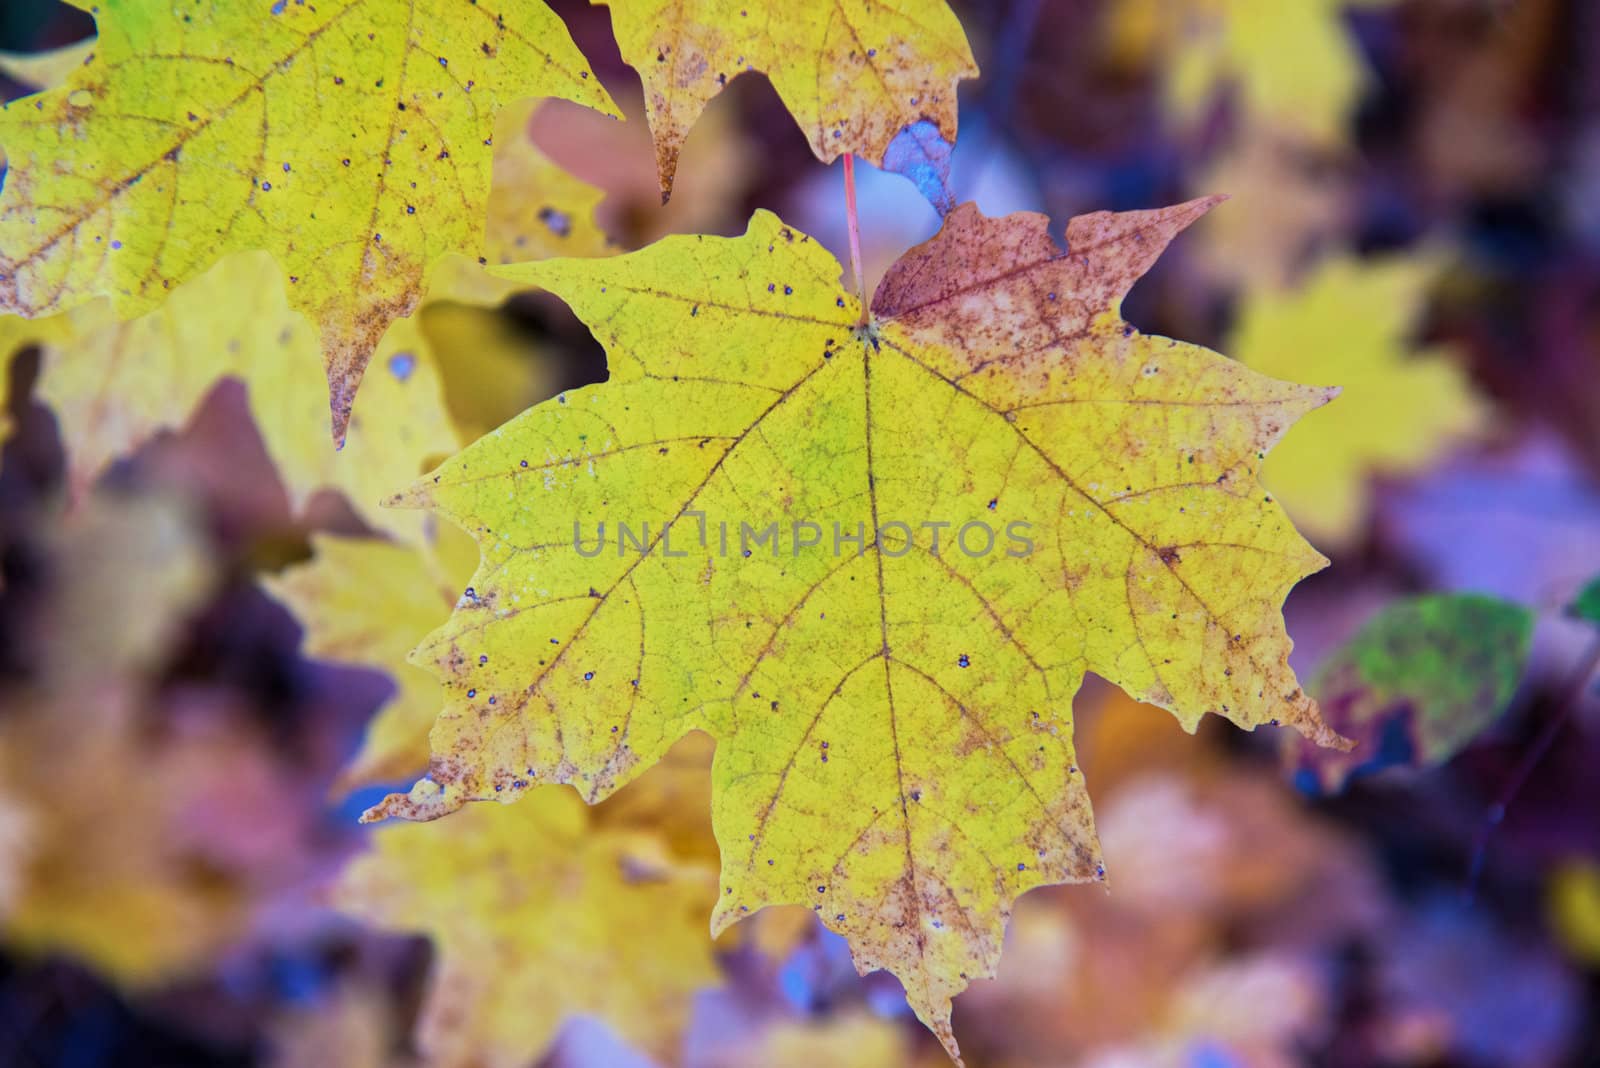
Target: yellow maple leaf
113,383
893,718
1292,63
348,137
1349,323
492,365
536,210
538,916
856,75
364,601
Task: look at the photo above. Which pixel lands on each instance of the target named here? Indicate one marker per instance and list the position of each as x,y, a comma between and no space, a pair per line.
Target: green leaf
1586,606
1419,682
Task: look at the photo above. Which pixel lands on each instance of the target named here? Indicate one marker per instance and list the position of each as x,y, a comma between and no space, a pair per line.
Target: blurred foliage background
1415,216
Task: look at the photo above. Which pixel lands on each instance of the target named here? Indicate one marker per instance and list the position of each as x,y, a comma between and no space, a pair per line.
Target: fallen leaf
893,722
538,916
1417,683
350,138
1291,64
857,76
1349,323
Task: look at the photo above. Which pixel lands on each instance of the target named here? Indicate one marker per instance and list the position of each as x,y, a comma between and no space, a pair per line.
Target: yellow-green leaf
537,916
350,138
855,74
893,721
1350,323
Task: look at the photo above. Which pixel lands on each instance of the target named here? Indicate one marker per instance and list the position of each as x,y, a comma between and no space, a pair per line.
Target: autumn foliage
806,620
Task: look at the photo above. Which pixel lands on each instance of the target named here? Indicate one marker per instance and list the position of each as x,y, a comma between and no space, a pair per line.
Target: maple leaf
538,916
536,210
348,137
363,601
1349,323
893,722
1419,681
1212,862
1293,64
859,77
114,383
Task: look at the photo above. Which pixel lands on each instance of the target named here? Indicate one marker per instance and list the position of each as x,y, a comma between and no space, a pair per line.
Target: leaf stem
855,231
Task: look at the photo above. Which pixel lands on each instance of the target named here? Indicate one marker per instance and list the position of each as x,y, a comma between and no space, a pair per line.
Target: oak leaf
1350,322
350,138
858,76
536,916
892,714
